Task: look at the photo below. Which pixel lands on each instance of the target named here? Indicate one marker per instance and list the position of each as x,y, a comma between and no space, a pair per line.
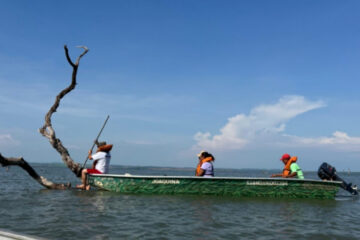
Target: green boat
217,186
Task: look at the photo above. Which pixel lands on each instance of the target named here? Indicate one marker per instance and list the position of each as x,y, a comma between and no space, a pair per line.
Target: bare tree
48,132
5,162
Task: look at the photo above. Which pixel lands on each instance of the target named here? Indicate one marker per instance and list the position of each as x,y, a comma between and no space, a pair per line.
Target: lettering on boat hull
266,183
160,181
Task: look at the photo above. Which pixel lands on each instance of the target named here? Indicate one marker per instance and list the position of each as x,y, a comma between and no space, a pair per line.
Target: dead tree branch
48,131
24,165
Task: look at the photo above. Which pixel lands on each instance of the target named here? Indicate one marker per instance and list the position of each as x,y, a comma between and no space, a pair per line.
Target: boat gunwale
217,178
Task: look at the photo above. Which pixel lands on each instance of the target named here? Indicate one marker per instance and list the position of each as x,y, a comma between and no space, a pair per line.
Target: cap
285,156
201,153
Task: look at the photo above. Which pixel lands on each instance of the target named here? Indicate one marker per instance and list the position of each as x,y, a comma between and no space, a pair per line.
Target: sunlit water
27,208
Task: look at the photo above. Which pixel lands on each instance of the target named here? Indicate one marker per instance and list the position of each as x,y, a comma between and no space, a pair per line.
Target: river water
27,208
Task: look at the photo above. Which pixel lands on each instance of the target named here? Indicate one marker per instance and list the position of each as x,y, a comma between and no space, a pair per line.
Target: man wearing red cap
291,168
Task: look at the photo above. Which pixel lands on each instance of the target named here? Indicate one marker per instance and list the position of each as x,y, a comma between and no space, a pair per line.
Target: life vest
287,170
105,148
208,159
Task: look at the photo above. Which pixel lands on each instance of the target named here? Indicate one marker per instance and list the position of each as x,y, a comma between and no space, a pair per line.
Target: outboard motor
328,172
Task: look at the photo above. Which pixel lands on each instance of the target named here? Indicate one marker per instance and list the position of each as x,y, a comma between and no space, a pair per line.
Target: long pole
97,139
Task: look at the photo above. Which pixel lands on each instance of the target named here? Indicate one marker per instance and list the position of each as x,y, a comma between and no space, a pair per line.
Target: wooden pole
96,139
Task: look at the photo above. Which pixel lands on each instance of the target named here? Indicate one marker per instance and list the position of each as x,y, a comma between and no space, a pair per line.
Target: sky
245,80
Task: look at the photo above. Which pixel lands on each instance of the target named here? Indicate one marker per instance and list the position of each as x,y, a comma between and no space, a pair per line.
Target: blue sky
245,80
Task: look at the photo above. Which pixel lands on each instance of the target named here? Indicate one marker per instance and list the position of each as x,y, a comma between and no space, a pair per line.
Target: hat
201,153
285,156
99,144
105,148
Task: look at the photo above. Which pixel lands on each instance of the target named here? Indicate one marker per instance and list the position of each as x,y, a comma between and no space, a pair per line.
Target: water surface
27,208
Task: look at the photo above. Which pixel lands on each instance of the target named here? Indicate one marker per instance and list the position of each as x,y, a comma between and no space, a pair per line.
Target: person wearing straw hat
100,165
205,167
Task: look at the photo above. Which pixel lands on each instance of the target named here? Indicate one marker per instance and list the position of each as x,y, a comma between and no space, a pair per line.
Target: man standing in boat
205,167
100,165
291,168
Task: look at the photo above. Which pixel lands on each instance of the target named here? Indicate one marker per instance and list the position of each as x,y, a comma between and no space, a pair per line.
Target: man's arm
291,175
293,168
201,172
94,164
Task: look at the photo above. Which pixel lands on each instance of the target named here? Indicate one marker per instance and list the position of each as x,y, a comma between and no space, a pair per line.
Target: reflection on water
27,208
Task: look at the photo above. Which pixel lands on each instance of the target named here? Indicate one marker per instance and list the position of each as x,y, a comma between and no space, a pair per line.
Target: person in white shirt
100,165
205,167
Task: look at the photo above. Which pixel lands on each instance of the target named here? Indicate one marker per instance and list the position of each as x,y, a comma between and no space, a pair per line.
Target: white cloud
339,141
221,141
7,140
270,119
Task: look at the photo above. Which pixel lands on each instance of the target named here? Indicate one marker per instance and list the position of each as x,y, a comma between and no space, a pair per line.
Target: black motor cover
327,172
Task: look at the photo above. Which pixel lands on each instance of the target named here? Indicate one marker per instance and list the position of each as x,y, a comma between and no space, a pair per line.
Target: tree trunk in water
5,162
48,132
